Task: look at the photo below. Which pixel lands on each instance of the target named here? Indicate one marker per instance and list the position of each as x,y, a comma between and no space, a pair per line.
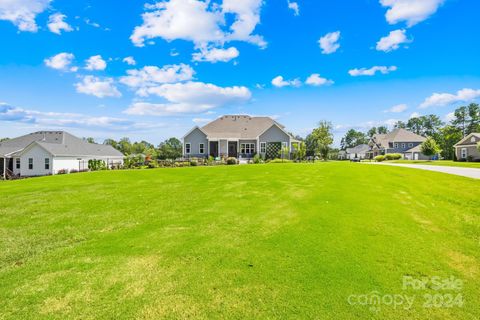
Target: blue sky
151,70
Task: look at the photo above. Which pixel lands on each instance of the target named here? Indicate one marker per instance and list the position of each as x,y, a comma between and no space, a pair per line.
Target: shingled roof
238,127
58,143
397,135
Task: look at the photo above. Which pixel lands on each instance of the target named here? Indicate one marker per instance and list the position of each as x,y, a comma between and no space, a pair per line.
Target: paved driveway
459,171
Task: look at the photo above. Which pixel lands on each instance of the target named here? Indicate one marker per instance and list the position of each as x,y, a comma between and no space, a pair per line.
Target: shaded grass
264,241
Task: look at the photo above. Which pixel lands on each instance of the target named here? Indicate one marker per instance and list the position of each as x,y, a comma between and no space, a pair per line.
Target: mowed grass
446,163
278,241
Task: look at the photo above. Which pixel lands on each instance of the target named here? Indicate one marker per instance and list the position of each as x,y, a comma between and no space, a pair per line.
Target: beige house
466,149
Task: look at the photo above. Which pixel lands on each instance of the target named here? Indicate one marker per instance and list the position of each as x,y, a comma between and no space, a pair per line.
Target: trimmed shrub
193,163
231,161
257,159
393,156
379,158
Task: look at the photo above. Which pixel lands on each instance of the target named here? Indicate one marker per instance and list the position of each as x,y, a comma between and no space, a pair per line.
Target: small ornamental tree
430,147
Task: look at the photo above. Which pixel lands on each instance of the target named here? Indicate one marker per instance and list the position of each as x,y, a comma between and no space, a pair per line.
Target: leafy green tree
461,119
415,125
111,142
474,115
372,132
382,130
400,125
430,147
352,139
302,151
311,145
170,149
89,140
448,136
4,139
125,146
431,125
323,138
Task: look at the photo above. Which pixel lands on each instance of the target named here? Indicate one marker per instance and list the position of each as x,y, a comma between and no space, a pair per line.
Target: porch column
5,168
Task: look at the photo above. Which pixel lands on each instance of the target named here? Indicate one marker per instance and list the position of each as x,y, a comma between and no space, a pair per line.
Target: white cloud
151,76
56,23
316,80
450,116
279,82
215,55
415,115
97,87
372,71
22,13
444,99
130,61
61,61
200,22
294,6
410,11
393,41
189,97
329,42
96,63
201,120
398,108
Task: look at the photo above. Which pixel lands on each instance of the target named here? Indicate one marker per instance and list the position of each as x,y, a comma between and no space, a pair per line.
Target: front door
232,149
214,149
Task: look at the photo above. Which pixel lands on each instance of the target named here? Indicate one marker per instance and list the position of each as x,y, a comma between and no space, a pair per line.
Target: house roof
397,135
468,139
362,148
417,148
58,143
239,127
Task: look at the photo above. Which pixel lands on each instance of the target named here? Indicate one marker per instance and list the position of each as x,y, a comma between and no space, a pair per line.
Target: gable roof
361,148
239,127
397,135
57,143
467,139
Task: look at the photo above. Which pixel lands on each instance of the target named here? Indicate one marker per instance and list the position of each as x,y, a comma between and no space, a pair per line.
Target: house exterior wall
471,151
274,134
247,155
403,146
38,155
195,138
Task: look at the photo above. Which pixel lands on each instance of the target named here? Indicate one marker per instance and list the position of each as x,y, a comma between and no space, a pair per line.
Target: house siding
274,134
195,138
401,149
471,151
38,154
247,155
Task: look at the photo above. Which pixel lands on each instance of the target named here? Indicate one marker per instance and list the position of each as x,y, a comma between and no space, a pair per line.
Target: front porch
245,149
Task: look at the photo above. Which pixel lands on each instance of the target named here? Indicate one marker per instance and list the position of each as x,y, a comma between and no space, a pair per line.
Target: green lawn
239,242
447,163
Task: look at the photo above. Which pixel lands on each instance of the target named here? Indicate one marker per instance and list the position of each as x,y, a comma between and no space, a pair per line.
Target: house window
263,147
464,153
30,163
17,163
201,147
396,145
284,145
410,145
188,148
247,148
403,145
47,164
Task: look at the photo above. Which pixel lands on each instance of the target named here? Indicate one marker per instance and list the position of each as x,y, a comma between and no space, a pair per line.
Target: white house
49,152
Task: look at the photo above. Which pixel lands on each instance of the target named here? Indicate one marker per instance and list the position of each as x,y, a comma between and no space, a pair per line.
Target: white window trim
47,163
410,145
18,164
404,145
464,153
30,162
250,148
200,147
395,145
263,146
189,148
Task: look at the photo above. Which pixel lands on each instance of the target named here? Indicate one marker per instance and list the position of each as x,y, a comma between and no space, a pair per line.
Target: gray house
466,149
239,136
51,152
399,141
357,152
